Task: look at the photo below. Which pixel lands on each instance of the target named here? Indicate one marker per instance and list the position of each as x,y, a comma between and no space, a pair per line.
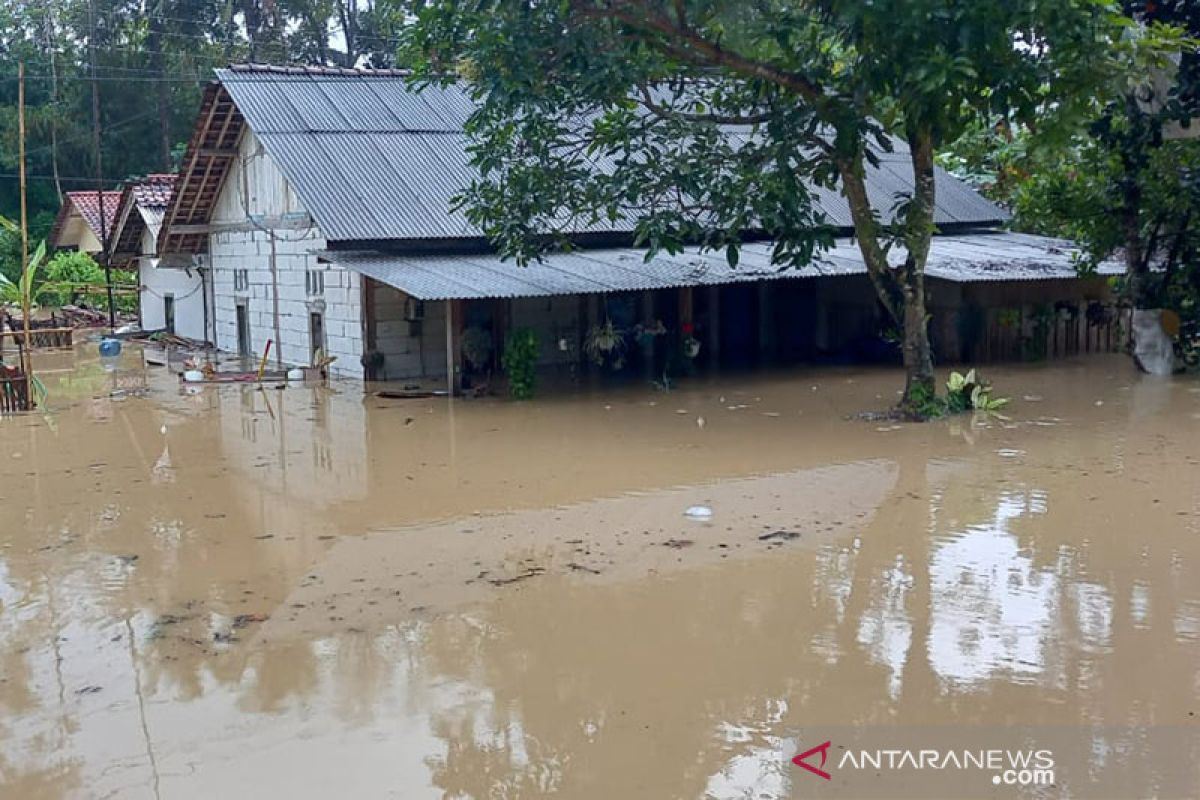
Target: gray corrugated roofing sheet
372,159
962,259
153,217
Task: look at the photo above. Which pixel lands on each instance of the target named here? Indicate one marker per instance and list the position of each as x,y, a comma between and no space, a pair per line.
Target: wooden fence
14,391
41,337
1041,333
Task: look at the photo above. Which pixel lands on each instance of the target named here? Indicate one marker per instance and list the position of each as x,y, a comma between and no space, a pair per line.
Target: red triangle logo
823,749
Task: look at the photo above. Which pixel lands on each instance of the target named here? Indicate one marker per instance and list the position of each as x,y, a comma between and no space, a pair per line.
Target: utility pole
26,280
112,309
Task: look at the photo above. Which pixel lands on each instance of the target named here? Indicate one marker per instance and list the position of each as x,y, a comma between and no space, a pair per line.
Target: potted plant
605,343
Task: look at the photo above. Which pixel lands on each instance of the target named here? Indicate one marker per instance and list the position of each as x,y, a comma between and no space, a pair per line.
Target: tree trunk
901,290
919,226
918,354
1153,351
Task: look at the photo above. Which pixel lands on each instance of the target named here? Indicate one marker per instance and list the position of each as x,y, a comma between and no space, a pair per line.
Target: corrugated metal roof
962,259
372,159
153,218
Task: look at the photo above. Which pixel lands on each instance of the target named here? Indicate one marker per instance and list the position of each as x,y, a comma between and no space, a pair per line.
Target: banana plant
23,290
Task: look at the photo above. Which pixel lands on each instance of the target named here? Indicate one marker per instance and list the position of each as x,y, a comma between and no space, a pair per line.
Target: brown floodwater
314,592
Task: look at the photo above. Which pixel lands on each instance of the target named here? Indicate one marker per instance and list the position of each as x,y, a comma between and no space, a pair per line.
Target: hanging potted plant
691,345
605,343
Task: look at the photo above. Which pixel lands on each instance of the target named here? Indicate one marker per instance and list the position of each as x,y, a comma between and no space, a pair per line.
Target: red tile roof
154,191
88,205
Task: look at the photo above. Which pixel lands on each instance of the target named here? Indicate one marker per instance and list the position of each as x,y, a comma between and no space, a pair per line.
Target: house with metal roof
174,298
321,201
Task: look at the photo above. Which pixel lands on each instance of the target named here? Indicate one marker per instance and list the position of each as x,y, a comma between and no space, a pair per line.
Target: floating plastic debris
698,512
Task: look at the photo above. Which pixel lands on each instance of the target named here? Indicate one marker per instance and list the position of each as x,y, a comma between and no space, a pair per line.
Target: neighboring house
321,198
85,219
175,299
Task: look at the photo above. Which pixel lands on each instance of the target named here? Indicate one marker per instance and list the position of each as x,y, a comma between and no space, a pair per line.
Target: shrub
66,267
520,363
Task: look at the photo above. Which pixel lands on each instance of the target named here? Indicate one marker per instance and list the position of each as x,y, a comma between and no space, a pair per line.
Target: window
314,282
241,280
243,329
169,312
316,333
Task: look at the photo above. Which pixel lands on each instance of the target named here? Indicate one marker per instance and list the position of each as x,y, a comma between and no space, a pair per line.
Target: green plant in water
969,393
520,363
923,403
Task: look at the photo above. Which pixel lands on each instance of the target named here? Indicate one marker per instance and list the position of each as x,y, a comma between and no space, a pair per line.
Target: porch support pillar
766,322
648,341
714,326
453,328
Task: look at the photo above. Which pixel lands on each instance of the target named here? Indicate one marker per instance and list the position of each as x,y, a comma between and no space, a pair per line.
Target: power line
115,79
66,178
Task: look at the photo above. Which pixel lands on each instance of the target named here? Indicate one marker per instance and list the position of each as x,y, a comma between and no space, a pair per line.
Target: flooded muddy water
312,592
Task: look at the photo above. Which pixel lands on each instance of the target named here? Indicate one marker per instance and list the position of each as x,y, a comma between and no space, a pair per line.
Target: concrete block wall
407,355
339,302
256,189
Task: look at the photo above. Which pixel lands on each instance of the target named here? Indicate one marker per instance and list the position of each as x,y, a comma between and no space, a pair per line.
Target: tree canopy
1120,177
702,119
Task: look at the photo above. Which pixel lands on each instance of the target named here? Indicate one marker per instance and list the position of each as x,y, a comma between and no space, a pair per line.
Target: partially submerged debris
529,573
678,544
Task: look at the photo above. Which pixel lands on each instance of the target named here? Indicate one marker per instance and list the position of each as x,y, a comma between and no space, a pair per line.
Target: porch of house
673,331
676,332
992,297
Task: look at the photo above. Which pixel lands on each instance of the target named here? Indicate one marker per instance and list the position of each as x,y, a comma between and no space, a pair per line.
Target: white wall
184,285
256,189
406,355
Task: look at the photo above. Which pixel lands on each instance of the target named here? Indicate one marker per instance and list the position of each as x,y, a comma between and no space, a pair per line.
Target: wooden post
104,259
450,347
714,326
687,305
766,322
500,318
648,341
454,324
26,360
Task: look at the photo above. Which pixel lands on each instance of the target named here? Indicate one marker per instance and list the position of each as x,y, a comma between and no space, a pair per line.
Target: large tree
703,119
1121,176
